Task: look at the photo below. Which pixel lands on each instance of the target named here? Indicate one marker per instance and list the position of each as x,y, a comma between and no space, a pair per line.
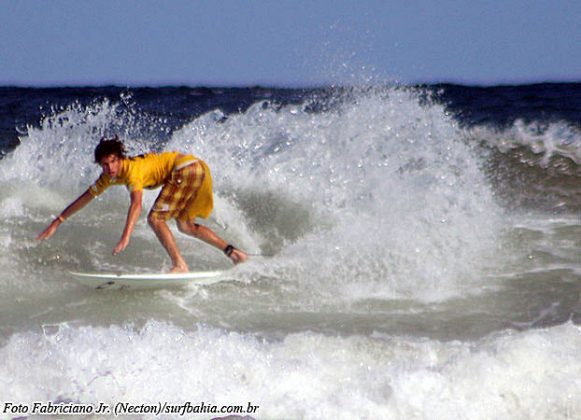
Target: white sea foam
530,375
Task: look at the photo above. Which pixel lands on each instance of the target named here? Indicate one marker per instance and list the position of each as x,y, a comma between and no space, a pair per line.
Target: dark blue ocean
424,251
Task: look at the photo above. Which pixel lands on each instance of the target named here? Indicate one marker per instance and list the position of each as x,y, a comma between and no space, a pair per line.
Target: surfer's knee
153,221
182,226
188,227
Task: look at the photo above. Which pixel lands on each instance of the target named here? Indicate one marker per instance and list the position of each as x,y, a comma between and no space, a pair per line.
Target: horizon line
297,86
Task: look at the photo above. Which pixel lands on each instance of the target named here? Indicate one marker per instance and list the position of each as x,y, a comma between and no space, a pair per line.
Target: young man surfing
186,194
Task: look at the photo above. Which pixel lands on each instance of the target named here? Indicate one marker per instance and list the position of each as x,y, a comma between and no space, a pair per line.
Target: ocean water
424,253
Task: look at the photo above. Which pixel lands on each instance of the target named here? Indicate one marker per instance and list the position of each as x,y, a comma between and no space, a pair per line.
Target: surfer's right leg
207,235
168,241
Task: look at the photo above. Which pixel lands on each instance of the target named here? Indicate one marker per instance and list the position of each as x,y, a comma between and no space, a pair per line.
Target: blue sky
288,43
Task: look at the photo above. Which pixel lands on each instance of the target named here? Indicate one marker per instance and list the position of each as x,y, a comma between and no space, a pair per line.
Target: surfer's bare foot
235,254
238,256
179,269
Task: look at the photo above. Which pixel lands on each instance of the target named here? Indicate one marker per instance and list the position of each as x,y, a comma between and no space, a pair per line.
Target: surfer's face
111,165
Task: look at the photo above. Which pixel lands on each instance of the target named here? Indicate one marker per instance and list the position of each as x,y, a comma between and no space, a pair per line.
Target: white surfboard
103,281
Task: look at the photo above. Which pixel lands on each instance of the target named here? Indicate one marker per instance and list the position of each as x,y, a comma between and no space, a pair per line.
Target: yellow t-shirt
149,171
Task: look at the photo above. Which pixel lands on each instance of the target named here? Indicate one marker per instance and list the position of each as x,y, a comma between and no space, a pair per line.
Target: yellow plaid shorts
182,196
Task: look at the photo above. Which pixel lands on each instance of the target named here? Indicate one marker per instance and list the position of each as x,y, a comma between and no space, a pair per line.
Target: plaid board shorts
178,195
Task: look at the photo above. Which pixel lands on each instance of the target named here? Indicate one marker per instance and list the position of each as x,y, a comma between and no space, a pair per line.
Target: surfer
186,194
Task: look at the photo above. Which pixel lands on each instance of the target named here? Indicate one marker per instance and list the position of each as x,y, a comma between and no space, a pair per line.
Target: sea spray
389,195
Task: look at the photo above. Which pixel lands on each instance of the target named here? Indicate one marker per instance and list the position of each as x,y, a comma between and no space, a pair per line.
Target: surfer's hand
121,246
49,231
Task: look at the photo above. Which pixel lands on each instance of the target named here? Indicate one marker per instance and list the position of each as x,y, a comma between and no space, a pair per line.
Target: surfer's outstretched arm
71,209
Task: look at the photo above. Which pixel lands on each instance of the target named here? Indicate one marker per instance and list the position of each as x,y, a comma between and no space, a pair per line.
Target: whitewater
398,281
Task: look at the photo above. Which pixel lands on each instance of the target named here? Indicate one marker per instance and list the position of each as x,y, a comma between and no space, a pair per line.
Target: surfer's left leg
168,241
207,235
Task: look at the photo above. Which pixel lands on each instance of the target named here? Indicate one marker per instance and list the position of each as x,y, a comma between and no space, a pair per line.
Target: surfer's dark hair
107,147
